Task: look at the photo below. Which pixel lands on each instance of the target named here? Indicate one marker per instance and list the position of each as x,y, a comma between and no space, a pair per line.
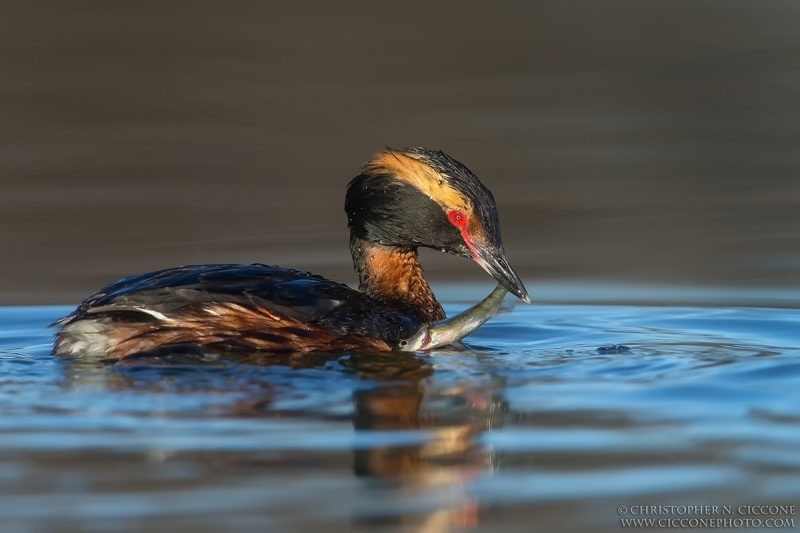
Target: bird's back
232,307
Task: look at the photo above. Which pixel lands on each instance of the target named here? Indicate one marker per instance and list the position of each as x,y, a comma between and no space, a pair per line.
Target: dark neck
394,277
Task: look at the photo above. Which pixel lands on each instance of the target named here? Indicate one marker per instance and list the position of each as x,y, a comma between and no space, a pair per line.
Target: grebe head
416,197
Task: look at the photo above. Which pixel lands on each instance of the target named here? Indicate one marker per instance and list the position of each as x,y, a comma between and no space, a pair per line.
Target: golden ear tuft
413,170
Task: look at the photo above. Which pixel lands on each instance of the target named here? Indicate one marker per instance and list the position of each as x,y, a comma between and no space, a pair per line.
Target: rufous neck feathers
394,277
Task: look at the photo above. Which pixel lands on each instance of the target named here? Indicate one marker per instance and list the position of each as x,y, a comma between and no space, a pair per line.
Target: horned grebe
403,199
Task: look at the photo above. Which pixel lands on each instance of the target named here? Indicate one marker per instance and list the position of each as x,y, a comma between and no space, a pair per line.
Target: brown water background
625,141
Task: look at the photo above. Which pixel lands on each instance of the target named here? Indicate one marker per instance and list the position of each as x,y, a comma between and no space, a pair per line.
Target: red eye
457,218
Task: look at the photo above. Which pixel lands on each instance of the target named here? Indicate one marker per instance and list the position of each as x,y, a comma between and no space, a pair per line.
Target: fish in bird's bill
455,328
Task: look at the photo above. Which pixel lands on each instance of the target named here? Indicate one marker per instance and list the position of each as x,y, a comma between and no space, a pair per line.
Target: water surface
554,417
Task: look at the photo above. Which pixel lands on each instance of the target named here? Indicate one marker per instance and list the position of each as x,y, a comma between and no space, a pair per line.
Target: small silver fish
455,328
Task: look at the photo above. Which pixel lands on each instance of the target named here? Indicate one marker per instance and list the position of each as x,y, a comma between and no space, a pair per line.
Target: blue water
554,417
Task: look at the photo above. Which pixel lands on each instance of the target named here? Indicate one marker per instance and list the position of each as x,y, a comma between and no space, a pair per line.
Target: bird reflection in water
440,470
436,473
422,486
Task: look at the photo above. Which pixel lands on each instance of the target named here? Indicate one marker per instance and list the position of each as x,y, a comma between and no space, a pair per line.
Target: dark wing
301,296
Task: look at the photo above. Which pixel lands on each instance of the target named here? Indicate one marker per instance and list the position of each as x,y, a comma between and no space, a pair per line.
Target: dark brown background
625,141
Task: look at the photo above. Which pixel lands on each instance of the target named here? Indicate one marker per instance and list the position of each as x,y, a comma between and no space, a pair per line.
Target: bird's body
401,201
234,307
